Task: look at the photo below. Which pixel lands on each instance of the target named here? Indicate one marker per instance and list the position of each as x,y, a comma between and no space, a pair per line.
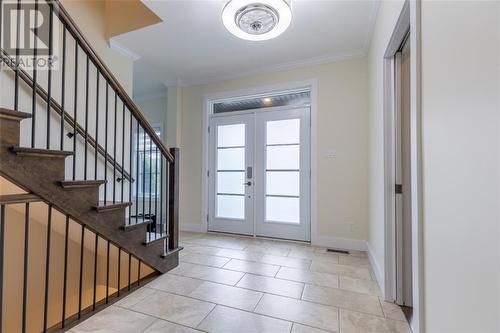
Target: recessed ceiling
192,46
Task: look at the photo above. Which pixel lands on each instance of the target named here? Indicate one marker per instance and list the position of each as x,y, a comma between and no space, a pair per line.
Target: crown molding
151,96
331,58
113,44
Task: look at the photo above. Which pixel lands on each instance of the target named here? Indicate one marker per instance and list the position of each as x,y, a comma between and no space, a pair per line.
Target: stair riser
9,133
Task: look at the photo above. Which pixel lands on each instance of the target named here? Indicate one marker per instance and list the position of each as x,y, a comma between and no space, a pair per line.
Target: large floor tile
202,259
135,297
298,328
317,278
226,295
343,299
178,309
252,267
307,313
277,251
351,252
193,248
355,322
392,311
360,286
115,319
351,271
286,261
227,320
213,274
175,284
239,254
354,261
162,326
271,285
311,255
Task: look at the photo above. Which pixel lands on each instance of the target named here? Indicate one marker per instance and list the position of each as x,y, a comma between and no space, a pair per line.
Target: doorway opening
259,165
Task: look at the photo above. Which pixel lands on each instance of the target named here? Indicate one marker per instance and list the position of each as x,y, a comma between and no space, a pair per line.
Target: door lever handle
249,183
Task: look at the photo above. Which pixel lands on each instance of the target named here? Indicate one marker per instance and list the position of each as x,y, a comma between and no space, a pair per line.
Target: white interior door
230,175
259,177
282,177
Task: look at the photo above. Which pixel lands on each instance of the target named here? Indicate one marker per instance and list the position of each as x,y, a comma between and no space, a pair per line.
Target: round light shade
257,19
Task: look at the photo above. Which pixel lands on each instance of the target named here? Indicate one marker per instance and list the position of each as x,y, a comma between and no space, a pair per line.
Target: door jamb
409,20
208,100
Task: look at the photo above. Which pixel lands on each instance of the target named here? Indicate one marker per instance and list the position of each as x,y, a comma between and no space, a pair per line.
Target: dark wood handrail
108,75
54,105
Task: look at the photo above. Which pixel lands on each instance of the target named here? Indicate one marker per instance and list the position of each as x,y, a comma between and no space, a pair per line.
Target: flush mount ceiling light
257,20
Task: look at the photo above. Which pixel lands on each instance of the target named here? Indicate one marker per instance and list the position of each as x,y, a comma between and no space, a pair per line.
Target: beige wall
155,110
342,127
89,16
387,17
461,148
460,130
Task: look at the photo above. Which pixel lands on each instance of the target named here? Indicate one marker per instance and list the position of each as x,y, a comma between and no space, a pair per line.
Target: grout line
208,314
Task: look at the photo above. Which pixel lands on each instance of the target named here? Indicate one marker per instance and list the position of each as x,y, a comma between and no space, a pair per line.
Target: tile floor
238,284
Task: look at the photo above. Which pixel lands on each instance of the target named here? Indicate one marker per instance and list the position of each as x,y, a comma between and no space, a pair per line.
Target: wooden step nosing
131,227
81,183
110,207
13,115
172,252
9,199
40,152
149,243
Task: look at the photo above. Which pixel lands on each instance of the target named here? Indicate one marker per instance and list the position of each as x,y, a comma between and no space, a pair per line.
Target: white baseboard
379,273
339,243
193,227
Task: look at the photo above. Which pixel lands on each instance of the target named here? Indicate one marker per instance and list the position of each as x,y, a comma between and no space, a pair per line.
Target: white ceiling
191,45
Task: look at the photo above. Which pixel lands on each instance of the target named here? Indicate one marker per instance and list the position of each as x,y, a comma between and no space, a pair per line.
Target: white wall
387,17
342,127
460,130
461,148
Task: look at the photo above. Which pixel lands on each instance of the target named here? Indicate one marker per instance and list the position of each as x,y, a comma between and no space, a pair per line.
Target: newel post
173,198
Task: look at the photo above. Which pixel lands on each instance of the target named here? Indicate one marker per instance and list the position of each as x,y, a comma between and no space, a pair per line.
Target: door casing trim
208,99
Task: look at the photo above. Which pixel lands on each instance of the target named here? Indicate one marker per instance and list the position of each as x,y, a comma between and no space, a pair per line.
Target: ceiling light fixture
257,20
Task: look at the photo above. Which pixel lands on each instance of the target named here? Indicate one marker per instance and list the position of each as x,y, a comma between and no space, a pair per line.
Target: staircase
76,142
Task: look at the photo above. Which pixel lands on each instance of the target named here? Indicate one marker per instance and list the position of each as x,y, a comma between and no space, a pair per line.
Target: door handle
249,183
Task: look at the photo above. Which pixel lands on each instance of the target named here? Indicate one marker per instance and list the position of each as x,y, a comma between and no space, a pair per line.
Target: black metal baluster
123,151
47,270
151,181
75,120
130,174
65,277
129,265
2,240
63,99
107,274
114,151
119,269
137,175
25,265
156,190
95,270
34,86
86,118
167,202
96,126
49,77
161,193
138,272
106,148
80,287
144,185
16,77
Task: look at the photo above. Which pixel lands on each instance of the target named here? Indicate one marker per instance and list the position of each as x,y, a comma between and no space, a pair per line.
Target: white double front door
259,174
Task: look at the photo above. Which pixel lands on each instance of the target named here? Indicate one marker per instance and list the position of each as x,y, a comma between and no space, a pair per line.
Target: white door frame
208,101
409,20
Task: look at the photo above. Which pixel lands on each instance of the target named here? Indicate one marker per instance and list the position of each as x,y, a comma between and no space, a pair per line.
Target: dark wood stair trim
13,115
151,242
140,223
110,206
172,252
40,152
70,184
8,199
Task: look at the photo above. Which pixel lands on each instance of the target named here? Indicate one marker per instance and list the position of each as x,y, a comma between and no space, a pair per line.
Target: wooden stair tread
40,152
13,115
109,206
152,237
18,198
81,183
135,223
172,252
